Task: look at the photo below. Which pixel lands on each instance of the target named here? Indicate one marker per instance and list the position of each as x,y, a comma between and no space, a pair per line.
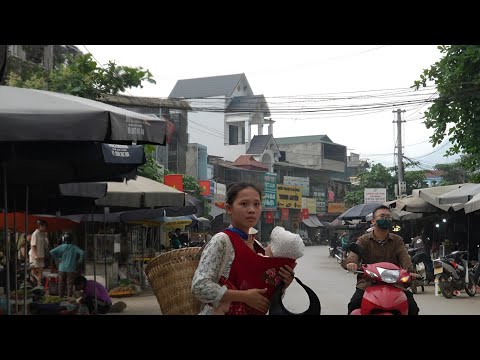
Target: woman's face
246,209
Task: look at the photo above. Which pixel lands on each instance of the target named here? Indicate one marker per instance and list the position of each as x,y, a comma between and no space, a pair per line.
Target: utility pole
402,188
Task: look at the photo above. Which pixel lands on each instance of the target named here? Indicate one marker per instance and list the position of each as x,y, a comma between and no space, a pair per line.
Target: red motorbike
383,297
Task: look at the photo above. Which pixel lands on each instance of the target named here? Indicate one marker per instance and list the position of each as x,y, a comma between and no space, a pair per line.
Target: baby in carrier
283,244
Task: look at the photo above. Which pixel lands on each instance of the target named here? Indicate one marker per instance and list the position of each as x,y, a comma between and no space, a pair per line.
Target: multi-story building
223,110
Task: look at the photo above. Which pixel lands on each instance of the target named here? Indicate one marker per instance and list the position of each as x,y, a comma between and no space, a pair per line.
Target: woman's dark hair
234,188
79,280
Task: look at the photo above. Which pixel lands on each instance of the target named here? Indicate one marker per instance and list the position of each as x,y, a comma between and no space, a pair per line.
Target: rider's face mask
384,223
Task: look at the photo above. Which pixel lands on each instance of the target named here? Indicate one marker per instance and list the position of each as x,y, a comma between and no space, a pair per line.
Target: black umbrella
63,162
36,115
358,211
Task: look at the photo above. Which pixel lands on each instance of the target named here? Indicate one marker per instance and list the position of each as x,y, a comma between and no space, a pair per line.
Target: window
243,135
283,156
232,135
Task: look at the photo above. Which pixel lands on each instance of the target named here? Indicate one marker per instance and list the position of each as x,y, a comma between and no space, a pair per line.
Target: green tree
191,184
458,172
415,179
81,76
152,168
378,176
354,196
456,111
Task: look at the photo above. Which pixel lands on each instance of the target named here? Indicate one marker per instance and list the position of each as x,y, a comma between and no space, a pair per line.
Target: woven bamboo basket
170,276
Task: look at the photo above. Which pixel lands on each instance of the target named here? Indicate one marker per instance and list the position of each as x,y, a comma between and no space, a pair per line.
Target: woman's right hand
255,299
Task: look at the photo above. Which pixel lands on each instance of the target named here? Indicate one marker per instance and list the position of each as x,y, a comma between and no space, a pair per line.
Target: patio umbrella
431,195
141,193
412,204
63,162
460,195
37,115
473,204
54,223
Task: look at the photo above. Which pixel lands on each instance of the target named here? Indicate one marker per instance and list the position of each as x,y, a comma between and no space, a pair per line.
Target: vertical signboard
220,195
319,196
269,201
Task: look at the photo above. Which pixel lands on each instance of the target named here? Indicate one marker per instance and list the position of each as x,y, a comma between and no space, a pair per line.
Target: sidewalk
143,304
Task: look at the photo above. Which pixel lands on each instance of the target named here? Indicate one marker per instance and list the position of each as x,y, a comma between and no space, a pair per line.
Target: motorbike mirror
357,249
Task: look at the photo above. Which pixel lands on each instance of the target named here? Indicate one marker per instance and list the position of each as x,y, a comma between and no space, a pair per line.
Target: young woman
233,255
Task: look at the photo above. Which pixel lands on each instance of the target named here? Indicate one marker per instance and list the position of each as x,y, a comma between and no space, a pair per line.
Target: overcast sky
345,92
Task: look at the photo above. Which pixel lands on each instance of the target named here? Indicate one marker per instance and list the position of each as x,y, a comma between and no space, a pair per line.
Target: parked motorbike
307,241
382,298
476,269
331,249
424,267
453,274
339,254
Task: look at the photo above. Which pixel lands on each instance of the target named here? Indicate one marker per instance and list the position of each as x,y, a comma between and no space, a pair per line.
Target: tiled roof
206,87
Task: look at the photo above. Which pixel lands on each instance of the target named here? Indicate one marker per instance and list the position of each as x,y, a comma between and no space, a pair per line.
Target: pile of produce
123,291
49,299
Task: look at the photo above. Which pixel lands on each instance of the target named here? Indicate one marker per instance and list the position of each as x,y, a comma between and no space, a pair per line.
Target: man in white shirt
39,244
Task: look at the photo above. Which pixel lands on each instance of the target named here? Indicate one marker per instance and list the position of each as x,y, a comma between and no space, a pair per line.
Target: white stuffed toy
283,243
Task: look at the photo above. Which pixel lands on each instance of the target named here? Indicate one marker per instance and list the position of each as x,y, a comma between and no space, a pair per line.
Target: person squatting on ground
104,303
380,245
232,254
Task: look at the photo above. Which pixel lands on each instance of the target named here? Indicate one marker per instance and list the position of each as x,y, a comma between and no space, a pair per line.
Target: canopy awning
216,211
312,221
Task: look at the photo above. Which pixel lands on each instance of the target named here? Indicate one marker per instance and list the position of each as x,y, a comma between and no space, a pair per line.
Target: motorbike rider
380,245
345,242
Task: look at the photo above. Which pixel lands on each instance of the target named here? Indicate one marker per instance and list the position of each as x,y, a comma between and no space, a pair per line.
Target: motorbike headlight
389,276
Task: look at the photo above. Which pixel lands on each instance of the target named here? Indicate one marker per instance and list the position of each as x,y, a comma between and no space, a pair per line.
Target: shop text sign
289,197
375,195
269,201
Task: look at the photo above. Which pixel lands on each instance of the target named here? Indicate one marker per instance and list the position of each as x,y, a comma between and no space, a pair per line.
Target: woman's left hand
287,274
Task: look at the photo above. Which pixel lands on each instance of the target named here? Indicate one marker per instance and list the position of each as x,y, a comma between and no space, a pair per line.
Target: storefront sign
319,196
269,201
303,182
375,195
336,208
310,204
220,195
289,197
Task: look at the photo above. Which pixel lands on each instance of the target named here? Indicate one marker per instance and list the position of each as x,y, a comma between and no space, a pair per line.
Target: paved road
334,286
